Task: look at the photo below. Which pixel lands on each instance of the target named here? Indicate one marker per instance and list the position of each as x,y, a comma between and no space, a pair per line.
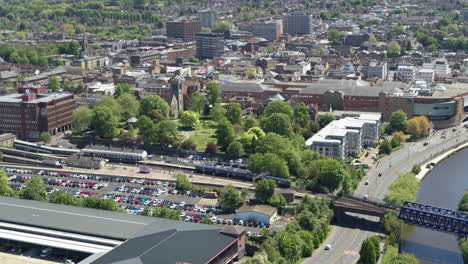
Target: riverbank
424,170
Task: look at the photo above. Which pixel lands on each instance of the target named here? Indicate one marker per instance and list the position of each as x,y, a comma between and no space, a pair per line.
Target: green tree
146,211
104,122
290,246
395,142
402,189
197,102
334,36
61,197
250,74
264,190
224,134
122,88
416,169
375,239
280,107
151,103
45,137
250,139
218,113
235,149
147,130
233,113
372,38
250,121
112,104
326,119
277,123
331,175
393,49
367,253
5,189
166,132
182,183
385,147
82,118
230,198
207,220
189,119
129,104
54,83
214,93
301,116
222,25
34,189
398,121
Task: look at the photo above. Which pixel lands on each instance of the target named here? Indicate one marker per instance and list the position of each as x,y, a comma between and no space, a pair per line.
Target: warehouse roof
353,87
259,208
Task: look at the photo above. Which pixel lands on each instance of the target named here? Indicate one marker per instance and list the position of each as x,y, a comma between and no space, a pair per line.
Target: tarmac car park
132,194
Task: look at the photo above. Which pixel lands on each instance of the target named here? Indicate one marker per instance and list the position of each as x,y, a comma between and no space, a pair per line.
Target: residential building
104,237
27,115
259,213
356,40
207,18
375,70
346,137
439,66
144,57
209,45
298,24
406,73
89,63
268,30
183,29
426,75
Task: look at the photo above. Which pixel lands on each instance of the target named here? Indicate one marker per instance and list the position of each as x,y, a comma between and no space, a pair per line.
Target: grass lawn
203,137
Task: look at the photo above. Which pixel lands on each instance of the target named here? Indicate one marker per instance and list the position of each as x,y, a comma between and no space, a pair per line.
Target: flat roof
99,148
259,208
41,98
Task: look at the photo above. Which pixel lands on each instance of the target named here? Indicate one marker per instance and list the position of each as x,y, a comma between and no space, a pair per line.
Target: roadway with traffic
346,239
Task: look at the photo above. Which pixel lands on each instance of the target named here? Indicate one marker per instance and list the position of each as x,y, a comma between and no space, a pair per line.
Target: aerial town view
234,132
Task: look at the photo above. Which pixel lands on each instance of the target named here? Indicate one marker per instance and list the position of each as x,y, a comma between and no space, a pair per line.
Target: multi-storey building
183,29
439,66
209,45
27,115
426,75
268,30
406,73
207,18
298,24
375,70
144,57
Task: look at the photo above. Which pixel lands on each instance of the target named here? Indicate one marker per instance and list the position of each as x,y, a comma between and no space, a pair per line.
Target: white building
346,137
101,89
301,67
406,73
426,75
439,66
258,213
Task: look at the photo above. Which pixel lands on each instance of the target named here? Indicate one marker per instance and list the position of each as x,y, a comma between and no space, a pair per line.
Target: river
443,186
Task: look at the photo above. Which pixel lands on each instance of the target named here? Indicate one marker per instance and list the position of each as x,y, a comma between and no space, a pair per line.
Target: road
346,240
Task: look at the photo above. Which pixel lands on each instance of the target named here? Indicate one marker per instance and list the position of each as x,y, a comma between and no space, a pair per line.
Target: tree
211,148
194,59
230,198
129,104
280,107
326,119
218,113
214,93
188,144
166,132
277,123
45,137
197,102
233,113
34,189
5,189
182,183
101,204
331,175
290,246
250,121
147,130
334,36
146,211
398,121
250,74
61,197
122,88
189,119
104,122
385,147
54,84
367,253
372,38
224,134
207,220
264,190
418,126
235,149
393,49
250,139
112,104
301,116
416,169
395,142
82,118
222,26
151,103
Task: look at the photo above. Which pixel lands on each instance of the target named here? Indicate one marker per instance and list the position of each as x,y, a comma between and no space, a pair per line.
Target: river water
443,186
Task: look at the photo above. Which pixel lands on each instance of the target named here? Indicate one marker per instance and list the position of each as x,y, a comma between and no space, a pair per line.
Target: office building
268,30
426,75
209,45
183,29
375,70
406,73
298,24
207,18
440,66
27,115
144,57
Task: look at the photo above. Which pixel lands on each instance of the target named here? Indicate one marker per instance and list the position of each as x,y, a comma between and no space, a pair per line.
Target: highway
346,239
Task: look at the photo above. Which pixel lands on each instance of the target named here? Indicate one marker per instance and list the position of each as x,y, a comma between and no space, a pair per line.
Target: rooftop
41,98
259,208
106,148
353,87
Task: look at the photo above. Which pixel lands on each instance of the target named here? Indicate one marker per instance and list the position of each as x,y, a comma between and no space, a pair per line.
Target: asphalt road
346,239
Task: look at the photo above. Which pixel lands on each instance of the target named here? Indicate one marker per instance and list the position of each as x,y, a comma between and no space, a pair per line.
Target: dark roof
169,247
242,87
352,87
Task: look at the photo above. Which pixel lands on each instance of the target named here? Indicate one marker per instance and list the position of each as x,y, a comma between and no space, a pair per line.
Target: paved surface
6,258
346,239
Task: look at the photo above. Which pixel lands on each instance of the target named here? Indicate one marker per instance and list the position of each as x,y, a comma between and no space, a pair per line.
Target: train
33,147
240,174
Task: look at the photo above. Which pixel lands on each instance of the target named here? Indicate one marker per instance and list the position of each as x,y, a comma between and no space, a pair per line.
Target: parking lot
132,194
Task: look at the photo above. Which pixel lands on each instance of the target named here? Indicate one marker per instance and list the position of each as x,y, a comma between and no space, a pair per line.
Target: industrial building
104,237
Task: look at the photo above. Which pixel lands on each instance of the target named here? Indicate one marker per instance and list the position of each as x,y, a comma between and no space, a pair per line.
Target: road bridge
361,205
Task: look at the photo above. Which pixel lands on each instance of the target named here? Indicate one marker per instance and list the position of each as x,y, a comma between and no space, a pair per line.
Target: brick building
27,115
183,29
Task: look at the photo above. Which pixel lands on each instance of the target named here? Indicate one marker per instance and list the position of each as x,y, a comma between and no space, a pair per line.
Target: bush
188,144
416,169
